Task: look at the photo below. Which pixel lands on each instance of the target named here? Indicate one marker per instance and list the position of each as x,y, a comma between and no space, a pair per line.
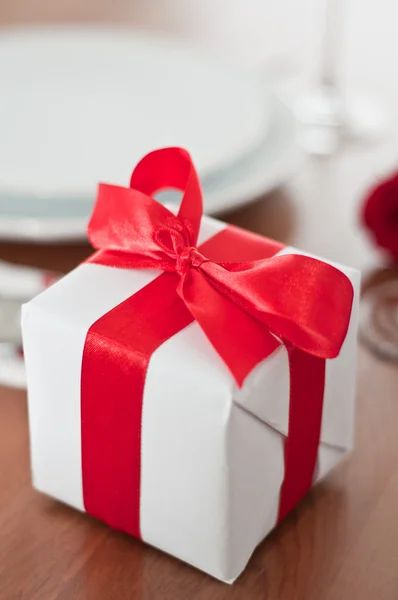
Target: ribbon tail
226,325
229,328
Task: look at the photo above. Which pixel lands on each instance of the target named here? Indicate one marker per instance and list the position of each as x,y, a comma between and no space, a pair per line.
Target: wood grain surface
341,542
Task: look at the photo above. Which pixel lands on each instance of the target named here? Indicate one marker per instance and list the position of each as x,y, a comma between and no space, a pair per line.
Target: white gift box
212,454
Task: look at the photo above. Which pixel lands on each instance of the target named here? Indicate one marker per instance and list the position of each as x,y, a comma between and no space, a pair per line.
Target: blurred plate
80,104
18,284
269,165
12,368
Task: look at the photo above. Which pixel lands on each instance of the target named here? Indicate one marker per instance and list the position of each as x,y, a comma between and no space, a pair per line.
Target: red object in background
380,215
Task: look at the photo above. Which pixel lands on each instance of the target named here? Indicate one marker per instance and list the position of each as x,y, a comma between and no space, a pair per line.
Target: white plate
276,158
82,104
18,285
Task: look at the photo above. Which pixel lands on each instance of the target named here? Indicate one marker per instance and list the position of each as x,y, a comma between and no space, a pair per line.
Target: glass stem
329,68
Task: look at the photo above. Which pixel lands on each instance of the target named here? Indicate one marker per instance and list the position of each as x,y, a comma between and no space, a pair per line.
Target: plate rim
284,164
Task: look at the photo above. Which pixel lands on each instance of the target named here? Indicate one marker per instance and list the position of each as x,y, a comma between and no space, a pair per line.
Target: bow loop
172,168
173,240
126,217
301,300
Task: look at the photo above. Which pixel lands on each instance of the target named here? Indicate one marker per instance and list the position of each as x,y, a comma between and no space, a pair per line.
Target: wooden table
342,541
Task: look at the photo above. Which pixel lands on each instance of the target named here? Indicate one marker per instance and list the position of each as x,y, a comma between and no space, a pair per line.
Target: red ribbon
290,299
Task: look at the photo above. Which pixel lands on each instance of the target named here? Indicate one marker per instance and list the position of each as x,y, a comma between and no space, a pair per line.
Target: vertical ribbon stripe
307,386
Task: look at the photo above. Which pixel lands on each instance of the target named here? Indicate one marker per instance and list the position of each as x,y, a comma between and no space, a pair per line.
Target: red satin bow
303,301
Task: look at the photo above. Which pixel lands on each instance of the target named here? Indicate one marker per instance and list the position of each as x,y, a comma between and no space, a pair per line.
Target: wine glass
328,116
378,327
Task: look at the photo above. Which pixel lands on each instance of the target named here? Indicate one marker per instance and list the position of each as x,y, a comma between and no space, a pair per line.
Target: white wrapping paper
212,459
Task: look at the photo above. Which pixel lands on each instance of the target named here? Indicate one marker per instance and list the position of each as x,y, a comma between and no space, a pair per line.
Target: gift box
190,381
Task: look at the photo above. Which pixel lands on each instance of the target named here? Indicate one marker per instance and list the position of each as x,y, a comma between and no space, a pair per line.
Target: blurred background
255,32
289,108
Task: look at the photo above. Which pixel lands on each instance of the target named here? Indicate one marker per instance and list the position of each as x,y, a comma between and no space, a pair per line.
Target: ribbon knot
190,257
